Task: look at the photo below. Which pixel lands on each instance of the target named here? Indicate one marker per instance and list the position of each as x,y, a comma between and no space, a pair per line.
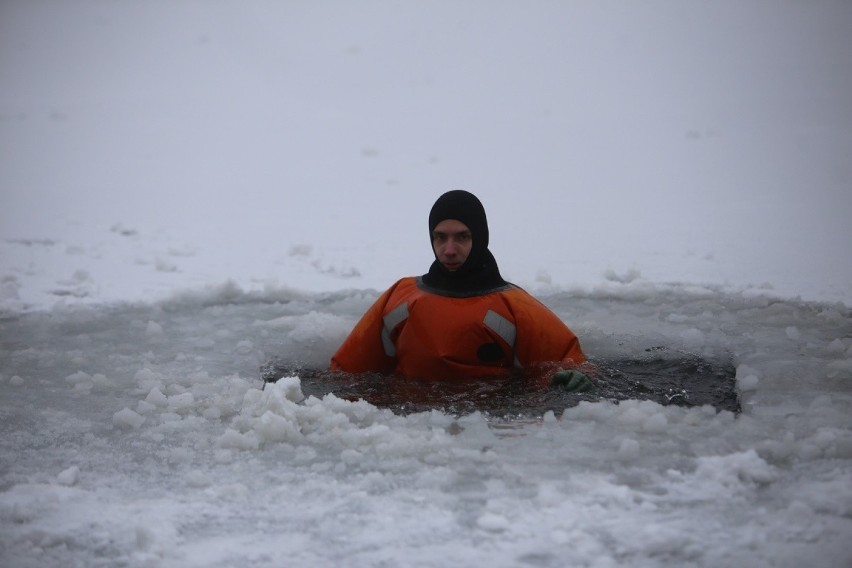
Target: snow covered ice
124,445
191,190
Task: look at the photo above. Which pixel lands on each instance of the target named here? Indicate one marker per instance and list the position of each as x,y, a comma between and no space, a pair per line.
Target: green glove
571,381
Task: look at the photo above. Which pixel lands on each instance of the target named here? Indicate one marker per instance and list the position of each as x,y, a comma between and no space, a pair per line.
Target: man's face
452,242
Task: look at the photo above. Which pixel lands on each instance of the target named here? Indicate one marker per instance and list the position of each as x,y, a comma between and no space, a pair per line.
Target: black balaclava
479,274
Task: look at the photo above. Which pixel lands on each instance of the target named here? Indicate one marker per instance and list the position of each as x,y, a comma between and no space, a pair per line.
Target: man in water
461,319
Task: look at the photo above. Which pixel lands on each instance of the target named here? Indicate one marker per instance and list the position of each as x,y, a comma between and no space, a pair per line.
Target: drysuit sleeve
362,351
542,337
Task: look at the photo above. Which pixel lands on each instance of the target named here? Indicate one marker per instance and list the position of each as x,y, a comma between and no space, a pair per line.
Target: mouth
452,265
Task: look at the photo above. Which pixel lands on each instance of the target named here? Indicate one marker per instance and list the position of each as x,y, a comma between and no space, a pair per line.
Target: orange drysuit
419,333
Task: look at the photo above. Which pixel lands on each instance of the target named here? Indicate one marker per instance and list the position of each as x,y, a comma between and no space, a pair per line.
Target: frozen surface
139,435
190,189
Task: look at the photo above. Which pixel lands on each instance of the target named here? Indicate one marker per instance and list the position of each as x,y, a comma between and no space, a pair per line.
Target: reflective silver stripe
501,326
395,317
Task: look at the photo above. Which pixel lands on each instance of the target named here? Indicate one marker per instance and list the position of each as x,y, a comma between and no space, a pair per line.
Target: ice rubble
141,434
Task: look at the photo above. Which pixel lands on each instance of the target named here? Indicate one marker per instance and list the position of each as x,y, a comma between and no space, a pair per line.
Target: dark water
661,375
